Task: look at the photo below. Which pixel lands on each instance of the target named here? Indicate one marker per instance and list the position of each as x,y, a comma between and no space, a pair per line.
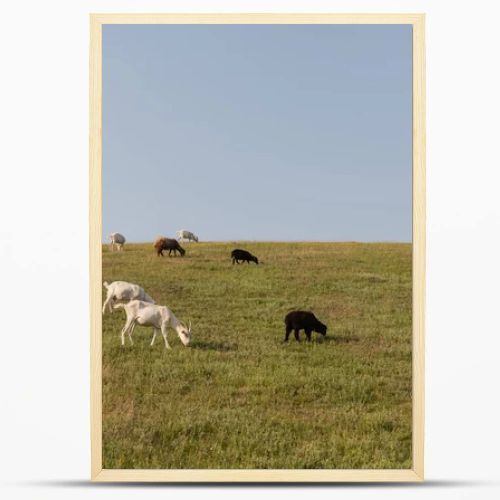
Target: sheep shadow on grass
340,339
213,346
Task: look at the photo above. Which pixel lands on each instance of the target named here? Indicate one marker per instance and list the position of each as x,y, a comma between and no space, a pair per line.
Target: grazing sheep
243,255
159,317
121,290
169,244
118,240
303,320
183,234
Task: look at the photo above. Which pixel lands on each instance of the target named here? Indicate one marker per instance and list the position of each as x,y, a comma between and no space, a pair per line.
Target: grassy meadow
238,396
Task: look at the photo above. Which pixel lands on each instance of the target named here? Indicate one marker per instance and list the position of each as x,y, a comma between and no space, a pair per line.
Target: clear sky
258,132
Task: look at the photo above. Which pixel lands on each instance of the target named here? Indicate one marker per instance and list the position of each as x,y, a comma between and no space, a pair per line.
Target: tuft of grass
239,397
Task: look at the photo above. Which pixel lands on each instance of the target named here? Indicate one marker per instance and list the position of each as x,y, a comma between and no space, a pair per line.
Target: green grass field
238,397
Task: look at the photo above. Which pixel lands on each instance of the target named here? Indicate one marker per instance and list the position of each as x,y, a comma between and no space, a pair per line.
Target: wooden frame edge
419,245
257,475
416,474
256,18
95,260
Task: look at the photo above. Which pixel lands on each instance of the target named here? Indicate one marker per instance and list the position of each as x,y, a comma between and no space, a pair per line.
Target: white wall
44,359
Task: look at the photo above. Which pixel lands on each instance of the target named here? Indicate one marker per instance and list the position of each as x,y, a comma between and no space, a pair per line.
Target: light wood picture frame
416,473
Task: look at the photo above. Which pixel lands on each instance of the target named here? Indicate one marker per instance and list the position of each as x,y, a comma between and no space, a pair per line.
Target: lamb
118,240
183,234
159,317
169,244
303,320
121,290
243,255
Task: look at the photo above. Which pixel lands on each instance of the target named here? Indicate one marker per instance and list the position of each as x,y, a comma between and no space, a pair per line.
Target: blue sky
258,132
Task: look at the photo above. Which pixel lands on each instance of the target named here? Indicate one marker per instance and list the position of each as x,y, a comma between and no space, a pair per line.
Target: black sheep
168,244
303,320
243,255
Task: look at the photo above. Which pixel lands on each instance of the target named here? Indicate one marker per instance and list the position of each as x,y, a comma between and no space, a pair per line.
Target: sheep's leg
154,336
125,329
108,303
288,330
308,334
130,331
164,333
296,333
105,305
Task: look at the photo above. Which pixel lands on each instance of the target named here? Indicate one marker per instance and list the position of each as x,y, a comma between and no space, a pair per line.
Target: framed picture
257,247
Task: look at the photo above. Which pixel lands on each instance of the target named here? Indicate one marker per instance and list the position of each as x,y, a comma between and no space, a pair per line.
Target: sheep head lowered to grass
159,317
169,244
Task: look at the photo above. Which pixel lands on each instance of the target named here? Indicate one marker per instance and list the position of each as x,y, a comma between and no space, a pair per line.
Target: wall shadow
431,484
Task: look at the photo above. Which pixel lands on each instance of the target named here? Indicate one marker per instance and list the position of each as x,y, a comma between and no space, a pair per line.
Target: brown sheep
169,244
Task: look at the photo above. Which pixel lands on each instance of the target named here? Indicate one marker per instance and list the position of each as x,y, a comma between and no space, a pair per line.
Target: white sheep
121,290
183,234
159,317
118,240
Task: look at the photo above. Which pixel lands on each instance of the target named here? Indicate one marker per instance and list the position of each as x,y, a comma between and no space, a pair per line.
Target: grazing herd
141,309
